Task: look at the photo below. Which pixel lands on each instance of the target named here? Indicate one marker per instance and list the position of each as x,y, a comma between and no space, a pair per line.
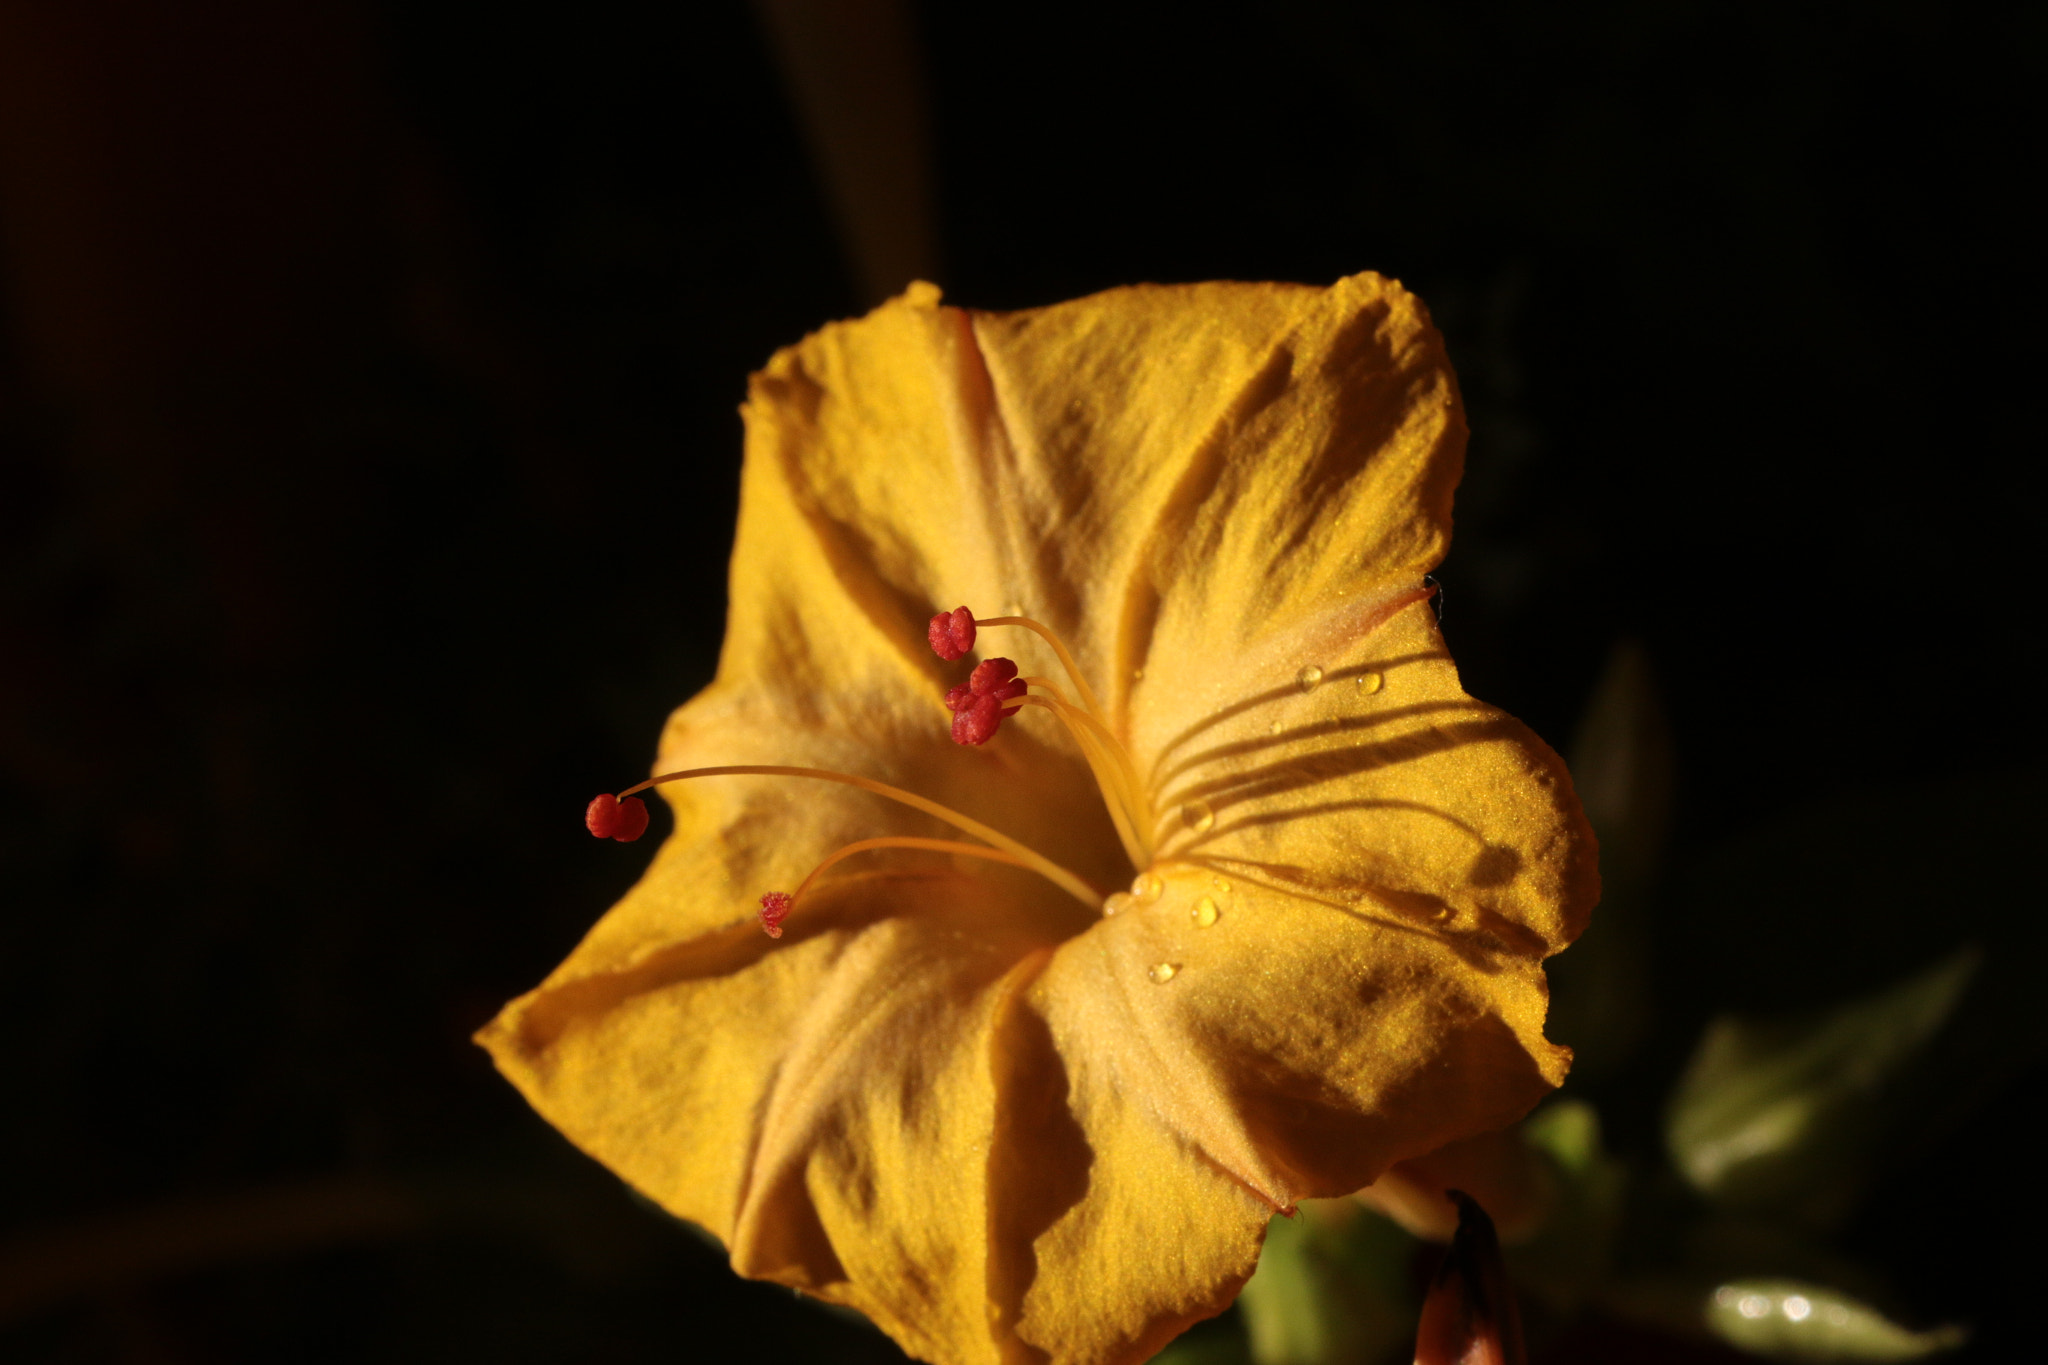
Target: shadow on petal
1330,765
1039,1160
1273,697
1328,1146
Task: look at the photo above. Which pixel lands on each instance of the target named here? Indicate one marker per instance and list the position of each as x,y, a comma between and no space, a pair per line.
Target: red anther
774,909
952,633
607,817
977,722
977,704
996,678
992,680
632,820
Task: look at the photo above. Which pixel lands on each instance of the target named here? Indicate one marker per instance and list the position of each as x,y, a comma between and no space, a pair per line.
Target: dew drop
1162,972
1370,683
1117,901
1147,887
1222,886
1197,816
1274,728
1310,678
1205,912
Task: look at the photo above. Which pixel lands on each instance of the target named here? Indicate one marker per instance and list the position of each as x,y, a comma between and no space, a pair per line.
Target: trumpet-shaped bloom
1004,1119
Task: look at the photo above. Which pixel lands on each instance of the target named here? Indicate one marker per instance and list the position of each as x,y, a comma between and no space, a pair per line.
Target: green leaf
1571,1257
1332,1287
1196,1349
1793,1320
1568,1132
1783,1116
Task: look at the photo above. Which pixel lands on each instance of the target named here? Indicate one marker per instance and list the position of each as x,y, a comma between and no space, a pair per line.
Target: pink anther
607,817
774,909
952,633
632,820
977,704
996,678
978,721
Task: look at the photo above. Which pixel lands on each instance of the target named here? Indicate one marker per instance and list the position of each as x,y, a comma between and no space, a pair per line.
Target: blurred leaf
1784,1116
1728,1245
1332,1288
1569,1260
1792,1320
1568,1132
1836,898
1218,1349
1621,766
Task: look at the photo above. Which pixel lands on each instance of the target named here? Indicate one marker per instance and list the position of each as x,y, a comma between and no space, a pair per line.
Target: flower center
991,694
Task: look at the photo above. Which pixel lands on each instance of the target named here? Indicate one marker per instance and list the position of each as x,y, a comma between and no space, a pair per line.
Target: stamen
776,905
978,721
608,817
976,718
1058,647
1037,862
952,633
977,703
1115,792
1113,748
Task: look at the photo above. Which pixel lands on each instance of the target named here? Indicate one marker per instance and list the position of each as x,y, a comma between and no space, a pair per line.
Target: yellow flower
985,1108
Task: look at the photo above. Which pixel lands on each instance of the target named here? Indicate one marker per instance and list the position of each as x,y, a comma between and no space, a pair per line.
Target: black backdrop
368,454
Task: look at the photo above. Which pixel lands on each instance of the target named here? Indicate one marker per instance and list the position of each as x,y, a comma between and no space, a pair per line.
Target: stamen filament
993,855
1037,862
1112,747
1066,660
1106,777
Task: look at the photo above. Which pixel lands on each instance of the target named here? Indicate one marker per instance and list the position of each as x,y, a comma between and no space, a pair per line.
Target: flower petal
1165,475
958,1102
1204,465
1384,868
878,1115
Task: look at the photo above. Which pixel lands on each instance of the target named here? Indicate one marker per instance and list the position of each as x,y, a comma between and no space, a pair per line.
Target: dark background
368,452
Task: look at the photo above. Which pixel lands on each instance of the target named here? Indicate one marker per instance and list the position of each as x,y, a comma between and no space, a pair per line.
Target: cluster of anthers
992,692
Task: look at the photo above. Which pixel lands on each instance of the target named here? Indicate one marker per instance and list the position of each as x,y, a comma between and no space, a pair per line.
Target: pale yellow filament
1112,769
1066,660
1026,857
993,855
1106,777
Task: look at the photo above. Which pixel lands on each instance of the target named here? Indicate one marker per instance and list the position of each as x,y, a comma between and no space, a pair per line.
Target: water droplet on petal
1162,972
1117,902
1197,816
1147,887
1310,678
1370,683
1274,728
1205,912
1222,886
